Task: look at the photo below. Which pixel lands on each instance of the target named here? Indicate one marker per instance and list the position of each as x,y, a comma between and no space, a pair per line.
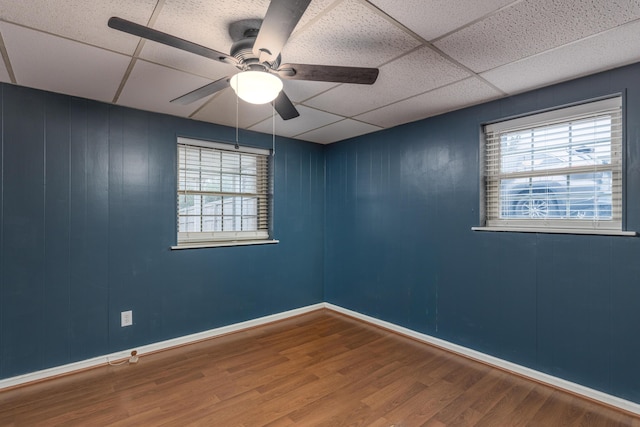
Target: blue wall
87,218
88,215
399,247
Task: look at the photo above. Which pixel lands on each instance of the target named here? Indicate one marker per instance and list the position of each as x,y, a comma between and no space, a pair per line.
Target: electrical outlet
126,318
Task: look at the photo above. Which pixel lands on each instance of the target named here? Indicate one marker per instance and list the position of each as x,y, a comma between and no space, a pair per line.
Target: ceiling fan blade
328,73
278,24
167,39
203,91
285,107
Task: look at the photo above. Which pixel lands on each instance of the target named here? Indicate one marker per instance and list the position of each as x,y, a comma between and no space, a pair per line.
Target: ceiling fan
256,53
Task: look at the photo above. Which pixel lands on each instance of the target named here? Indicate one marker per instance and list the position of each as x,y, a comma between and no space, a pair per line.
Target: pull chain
237,114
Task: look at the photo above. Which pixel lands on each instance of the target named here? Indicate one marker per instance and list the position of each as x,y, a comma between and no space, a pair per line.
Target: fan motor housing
242,50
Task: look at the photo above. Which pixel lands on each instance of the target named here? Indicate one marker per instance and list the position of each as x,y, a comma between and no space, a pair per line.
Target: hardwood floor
319,369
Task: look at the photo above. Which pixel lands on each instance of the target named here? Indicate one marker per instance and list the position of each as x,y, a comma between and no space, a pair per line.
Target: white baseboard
152,348
541,377
523,371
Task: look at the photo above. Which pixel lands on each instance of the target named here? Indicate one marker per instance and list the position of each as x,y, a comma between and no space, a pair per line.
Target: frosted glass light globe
256,87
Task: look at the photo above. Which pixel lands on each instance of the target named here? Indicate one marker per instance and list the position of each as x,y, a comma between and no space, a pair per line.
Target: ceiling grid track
7,62
136,53
430,45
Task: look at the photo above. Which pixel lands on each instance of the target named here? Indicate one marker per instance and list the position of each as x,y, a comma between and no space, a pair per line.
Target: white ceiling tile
56,64
222,110
434,18
338,131
611,49
299,90
152,87
316,7
207,22
185,61
309,119
4,76
349,34
530,27
82,20
420,71
465,93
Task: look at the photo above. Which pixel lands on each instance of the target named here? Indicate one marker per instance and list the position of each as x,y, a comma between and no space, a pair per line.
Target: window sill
224,244
557,231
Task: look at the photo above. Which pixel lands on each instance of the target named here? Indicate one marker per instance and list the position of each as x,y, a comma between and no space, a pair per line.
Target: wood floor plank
502,412
425,405
560,409
319,369
470,396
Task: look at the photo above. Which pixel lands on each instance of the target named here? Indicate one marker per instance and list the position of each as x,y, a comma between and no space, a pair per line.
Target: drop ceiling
434,56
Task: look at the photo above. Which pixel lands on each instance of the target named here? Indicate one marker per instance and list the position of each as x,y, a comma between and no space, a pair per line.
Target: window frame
204,239
492,174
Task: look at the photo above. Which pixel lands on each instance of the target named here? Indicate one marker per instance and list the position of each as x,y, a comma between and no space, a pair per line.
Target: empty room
319,213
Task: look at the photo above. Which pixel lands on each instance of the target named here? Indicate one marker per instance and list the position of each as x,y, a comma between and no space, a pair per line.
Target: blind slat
548,167
222,194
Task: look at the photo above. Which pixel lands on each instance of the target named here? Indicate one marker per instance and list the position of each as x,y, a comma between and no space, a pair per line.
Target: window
556,171
223,193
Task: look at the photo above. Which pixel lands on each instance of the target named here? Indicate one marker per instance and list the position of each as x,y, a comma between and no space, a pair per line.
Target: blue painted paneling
399,246
89,230
2,290
625,320
88,218
574,307
23,280
57,245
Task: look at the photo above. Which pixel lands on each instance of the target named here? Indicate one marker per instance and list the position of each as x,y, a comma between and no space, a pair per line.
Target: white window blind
560,169
223,193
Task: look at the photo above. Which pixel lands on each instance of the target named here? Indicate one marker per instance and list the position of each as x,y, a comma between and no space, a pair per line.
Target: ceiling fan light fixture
256,87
